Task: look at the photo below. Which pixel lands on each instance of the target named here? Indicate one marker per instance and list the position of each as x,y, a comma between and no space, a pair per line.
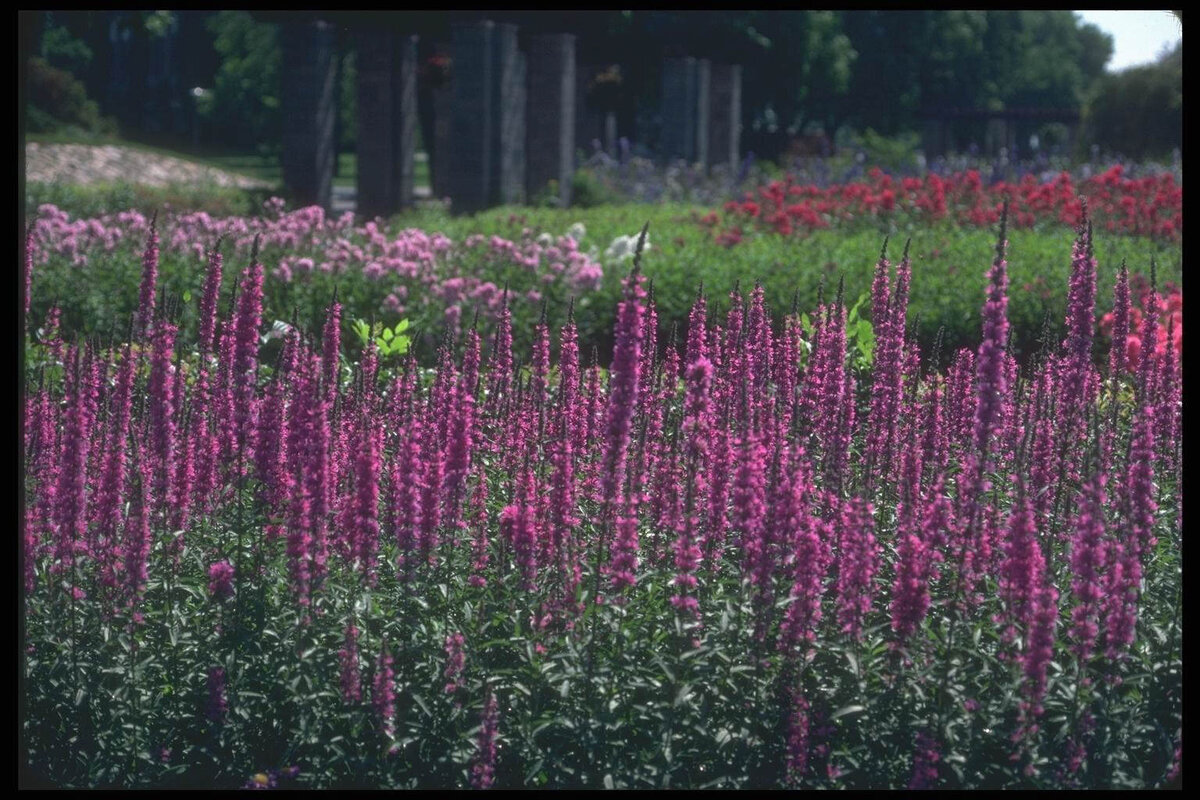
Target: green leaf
401,326
847,710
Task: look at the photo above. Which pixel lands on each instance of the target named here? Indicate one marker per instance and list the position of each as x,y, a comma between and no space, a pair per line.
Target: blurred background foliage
805,73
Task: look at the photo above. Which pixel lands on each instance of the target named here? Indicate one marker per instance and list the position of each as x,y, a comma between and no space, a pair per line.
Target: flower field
768,550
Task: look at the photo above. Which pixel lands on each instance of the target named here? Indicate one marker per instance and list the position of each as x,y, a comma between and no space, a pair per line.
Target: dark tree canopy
802,70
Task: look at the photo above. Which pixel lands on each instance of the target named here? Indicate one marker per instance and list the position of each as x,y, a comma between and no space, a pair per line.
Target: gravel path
81,163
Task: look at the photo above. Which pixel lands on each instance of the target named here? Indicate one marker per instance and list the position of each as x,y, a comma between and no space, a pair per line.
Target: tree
1138,112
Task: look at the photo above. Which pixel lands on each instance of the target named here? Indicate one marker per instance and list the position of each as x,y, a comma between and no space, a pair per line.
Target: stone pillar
405,86
589,121
933,138
439,168
469,171
550,115
487,120
309,104
387,120
703,108
679,96
725,115
508,146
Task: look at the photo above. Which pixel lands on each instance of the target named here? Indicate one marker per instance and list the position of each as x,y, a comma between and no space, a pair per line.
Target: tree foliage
1138,112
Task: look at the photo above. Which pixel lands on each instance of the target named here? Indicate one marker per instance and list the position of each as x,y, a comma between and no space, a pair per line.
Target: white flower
624,247
577,231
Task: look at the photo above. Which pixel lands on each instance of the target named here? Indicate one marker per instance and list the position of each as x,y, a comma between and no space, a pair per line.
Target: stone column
703,107
725,115
387,120
487,122
406,102
469,170
679,108
589,123
508,146
550,115
439,168
309,104
933,138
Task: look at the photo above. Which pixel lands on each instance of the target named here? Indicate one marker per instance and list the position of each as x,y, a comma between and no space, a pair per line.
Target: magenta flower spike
208,303
70,514
245,365
217,706
1037,655
991,390
455,662
331,349
483,766
110,511
1022,569
1118,352
383,693
857,564
162,415
1087,563
367,466
348,659
149,287
797,739
136,549
28,264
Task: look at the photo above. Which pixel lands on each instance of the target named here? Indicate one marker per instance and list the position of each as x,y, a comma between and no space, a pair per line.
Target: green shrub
57,100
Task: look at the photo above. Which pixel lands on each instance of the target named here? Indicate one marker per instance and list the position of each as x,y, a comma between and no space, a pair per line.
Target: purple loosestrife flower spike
1022,569
797,739
348,659
857,564
925,761
483,766
989,366
332,343
28,269
1081,304
367,468
383,693
696,428
216,707
245,364
1087,561
455,662
220,580
149,285
1038,653
1145,373
479,547
623,387
1117,354
162,414
208,302
112,486
1139,484
71,494
136,550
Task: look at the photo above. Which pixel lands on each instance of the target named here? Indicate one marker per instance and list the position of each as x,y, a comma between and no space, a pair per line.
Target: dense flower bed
1151,205
750,560
389,272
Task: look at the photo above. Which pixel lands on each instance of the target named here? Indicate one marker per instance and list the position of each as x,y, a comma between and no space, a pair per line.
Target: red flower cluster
1170,322
1148,206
